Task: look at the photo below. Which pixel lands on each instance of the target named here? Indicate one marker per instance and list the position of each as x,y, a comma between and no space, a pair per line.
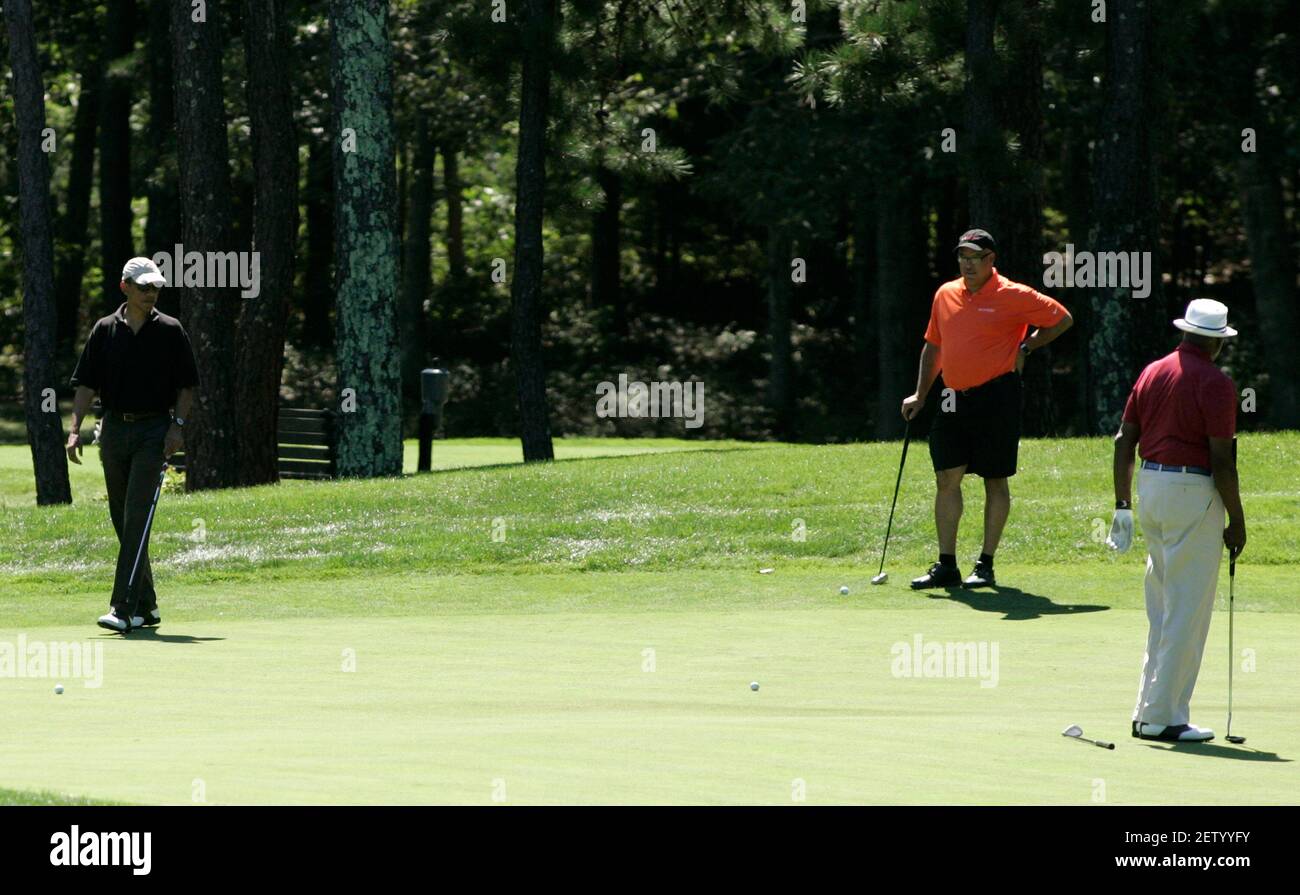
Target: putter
1232,660
1075,732
131,585
883,576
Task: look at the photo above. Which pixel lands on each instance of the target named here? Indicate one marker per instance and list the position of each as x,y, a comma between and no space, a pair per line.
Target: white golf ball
753,685
844,590
58,688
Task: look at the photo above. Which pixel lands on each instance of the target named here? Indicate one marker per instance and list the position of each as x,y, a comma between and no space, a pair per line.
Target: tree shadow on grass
1014,604
1237,753
152,634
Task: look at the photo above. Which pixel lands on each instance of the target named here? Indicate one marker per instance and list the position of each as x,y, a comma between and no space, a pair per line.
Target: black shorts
980,430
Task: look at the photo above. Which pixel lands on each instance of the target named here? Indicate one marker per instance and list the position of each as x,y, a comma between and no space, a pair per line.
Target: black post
434,386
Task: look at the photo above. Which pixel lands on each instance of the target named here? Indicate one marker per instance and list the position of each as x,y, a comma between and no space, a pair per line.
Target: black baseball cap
977,239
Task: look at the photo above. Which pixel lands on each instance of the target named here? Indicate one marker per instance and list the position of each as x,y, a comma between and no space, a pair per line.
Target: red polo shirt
1179,403
979,333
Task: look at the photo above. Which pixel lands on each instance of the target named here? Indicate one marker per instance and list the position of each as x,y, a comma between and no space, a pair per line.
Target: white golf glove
1121,531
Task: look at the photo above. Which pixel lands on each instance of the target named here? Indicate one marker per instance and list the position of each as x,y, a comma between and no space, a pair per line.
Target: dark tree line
553,192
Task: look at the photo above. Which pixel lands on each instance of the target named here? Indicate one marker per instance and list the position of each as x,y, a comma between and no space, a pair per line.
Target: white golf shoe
1174,733
114,622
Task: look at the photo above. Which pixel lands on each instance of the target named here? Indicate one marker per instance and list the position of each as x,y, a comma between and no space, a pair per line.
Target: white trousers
1182,519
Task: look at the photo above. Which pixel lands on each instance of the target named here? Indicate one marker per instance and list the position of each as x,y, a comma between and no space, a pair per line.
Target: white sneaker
114,622
1176,733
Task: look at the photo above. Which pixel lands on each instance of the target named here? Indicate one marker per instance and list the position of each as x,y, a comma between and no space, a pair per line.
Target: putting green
631,687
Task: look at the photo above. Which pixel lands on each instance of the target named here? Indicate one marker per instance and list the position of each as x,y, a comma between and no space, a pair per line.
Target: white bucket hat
1206,317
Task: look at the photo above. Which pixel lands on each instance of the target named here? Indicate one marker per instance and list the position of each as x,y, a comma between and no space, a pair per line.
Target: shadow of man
1014,603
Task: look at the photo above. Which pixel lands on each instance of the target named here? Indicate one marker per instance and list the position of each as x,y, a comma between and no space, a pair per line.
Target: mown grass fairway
600,647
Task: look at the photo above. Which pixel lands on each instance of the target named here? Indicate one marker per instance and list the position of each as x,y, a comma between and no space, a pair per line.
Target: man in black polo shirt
141,365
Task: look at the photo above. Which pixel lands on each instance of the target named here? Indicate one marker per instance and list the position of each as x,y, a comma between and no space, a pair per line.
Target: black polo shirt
136,372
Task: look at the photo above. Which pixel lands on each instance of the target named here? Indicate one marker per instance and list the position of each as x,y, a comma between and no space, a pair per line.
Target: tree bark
162,229
526,295
864,281
416,268
983,135
115,151
899,255
209,313
606,286
365,195
259,354
455,212
44,427
780,289
73,230
1021,257
1127,331
318,279
1273,274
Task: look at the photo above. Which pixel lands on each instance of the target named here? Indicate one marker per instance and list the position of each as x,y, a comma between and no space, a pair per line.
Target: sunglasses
979,257
148,289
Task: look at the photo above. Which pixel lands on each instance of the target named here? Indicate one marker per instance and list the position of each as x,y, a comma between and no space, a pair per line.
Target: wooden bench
307,446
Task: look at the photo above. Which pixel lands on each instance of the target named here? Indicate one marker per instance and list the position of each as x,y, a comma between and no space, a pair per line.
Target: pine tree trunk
365,195
115,152
416,267
864,267
259,353
1127,331
606,286
44,427
984,147
208,313
73,230
455,212
899,255
1022,197
162,230
526,295
318,279
780,289
1273,273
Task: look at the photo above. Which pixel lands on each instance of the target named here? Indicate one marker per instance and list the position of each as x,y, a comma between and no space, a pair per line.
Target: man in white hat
141,365
1183,414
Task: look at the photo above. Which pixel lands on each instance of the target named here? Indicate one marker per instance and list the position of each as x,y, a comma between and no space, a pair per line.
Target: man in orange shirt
979,337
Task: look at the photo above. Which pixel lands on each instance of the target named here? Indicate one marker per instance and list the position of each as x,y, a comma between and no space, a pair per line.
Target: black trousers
132,454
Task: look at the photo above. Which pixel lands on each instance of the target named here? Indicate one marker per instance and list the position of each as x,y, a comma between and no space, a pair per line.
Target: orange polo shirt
978,334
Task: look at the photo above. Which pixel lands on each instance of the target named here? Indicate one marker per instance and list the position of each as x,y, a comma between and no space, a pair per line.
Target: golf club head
1074,730
881,578
1235,740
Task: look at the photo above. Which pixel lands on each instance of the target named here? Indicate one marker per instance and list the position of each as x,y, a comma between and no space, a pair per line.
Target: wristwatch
179,421
1025,349
1123,505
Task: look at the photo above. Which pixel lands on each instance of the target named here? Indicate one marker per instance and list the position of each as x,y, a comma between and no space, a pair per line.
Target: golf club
131,585
1232,579
1075,732
883,576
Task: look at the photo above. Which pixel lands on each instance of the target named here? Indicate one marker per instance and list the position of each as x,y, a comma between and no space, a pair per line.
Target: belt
136,417
1161,467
